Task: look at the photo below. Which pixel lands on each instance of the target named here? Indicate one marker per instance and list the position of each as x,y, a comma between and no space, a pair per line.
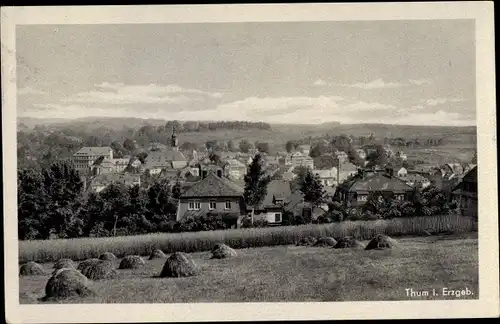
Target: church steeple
173,140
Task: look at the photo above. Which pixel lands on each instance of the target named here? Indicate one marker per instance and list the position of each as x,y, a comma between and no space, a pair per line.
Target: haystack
32,269
381,242
348,242
326,241
307,241
108,256
131,262
179,264
65,283
222,251
157,254
103,269
86,263
64,263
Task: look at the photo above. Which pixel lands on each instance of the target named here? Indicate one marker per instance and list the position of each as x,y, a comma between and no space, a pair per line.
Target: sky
392,72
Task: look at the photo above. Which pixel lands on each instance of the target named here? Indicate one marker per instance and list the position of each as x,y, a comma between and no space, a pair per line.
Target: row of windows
365,197
196,205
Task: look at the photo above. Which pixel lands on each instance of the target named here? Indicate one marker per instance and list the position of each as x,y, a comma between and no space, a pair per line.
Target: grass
289,273
83,248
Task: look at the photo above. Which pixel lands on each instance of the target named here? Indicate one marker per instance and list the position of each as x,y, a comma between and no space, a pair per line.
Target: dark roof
376,181
276,189
471,176
214,186
98,161
295,199
105,179
87,150
164,156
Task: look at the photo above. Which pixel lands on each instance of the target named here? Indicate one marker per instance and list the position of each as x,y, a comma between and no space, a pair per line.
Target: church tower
173,141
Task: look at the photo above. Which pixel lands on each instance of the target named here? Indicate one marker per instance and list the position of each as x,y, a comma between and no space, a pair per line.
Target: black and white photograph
256,161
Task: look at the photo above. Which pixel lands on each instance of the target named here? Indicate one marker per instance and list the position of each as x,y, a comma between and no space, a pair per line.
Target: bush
257,223
208,222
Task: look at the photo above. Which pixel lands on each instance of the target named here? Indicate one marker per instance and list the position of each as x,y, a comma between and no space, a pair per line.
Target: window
279,201
212,205
194,205
277,217
362,197
228,204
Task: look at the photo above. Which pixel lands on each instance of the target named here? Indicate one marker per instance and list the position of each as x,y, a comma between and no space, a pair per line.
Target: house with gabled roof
86,156
465,193
212,194
160,160
356,190
101,181
272,207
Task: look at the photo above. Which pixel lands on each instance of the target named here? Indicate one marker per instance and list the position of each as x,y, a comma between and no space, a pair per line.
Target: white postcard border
486,306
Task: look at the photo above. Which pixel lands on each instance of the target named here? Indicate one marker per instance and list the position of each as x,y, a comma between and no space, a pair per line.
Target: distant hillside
279,133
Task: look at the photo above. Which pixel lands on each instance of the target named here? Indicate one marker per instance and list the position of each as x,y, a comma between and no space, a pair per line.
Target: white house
327,177
402,173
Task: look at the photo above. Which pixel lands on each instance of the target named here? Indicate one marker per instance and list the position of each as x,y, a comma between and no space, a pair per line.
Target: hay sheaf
32,269
157,254
87,263
64,263
325,242
131,262
381,242
222,251
348,242
306,241
103,269
108,256
179,264
67,282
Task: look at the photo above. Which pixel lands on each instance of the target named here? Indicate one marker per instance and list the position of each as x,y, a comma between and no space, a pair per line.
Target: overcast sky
400,72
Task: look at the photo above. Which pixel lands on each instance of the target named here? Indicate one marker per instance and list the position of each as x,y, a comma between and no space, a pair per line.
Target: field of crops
293,274
83,248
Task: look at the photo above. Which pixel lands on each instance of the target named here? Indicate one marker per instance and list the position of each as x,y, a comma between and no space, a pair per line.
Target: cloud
30,91
368,106
255,105
420,82
320,83
440,101
417,107
439,118
280,110
375,84
119,93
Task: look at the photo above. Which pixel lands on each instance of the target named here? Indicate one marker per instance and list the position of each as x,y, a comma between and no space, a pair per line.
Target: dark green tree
176,190
312,189
262,147
289,146
256,181
244,146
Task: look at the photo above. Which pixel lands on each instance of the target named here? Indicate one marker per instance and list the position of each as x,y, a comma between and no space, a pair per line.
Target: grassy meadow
301,274
83,248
